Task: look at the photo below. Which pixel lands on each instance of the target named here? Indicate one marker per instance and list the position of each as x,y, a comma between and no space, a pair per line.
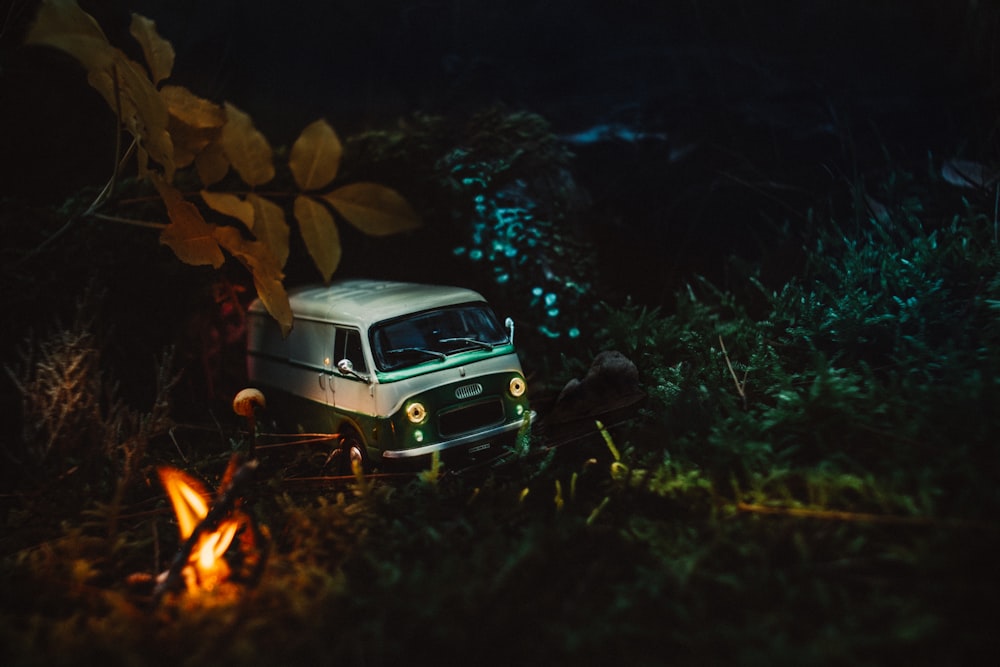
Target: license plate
479,448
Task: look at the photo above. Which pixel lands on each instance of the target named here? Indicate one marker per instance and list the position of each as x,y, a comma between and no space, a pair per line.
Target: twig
351,477
118,134
270,194
740,386
177,444
129,221
227,500
156,547
861,517
109,186
762,192
218,427
90,211
298,443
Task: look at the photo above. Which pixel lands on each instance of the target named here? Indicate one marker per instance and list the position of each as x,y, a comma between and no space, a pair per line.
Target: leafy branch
174,129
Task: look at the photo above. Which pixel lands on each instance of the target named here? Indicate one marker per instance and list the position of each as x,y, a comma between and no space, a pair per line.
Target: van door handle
320,379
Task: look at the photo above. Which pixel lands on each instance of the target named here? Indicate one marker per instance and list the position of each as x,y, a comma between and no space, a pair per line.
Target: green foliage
882,358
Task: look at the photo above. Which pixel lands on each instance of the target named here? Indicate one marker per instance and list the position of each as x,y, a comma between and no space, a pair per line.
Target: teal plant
502,183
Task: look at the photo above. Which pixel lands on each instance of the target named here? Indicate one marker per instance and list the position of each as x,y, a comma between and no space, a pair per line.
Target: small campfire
219,541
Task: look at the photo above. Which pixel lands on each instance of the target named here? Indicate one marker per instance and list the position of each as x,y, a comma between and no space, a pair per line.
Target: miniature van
398,370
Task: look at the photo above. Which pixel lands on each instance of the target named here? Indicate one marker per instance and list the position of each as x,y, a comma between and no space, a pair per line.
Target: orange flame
206,567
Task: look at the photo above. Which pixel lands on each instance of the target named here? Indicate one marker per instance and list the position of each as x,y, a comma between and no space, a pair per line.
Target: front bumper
475,442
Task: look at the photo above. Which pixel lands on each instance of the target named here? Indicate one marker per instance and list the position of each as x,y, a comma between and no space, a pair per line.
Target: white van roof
361,302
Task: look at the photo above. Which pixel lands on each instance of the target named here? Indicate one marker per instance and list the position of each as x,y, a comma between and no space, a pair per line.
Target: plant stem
118,134
129,221
740,386
91,209
192,195
109,187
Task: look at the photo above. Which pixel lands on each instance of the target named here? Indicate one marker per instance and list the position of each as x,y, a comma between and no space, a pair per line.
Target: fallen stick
862,517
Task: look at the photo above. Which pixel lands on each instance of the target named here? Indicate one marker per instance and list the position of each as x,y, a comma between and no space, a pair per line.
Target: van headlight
517,386
416,412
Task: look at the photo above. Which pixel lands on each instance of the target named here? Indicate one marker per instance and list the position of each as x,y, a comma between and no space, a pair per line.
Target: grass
811,480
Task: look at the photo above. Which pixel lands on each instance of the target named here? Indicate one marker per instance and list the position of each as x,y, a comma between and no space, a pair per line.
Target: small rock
611,382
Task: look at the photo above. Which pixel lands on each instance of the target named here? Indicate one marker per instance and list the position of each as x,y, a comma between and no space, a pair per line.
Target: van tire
352,447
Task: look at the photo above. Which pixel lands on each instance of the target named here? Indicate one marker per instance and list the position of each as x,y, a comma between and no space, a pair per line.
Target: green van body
400,369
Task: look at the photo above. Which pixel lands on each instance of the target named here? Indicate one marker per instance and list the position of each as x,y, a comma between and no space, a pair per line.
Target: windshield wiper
433,353
481,343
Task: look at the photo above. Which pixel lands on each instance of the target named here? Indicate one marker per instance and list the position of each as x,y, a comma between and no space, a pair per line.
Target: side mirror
347,368
509,323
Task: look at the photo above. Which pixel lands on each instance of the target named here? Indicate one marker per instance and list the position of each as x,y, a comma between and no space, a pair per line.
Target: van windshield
435,334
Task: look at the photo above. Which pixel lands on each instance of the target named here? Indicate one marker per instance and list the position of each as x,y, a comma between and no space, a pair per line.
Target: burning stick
207,532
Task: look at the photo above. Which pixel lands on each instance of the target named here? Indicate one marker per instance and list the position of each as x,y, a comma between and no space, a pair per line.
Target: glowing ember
206,566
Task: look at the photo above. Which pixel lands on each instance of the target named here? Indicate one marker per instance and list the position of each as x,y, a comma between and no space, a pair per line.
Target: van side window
348,346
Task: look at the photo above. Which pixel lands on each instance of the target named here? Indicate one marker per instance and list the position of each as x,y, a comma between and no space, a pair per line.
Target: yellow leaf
126,87
159,52
188,235
195,124
61,24
231,205
122,82
212,164
320,234
192,110
269,226
374,209
266,272
246,148
315,156
188,142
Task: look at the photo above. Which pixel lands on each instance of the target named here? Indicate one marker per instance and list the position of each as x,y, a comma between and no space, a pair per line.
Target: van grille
468,391
471,418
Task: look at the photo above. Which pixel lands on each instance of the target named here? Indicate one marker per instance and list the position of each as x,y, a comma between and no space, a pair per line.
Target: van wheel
352,448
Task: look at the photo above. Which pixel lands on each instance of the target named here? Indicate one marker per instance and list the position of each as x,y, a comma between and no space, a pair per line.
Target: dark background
747,113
